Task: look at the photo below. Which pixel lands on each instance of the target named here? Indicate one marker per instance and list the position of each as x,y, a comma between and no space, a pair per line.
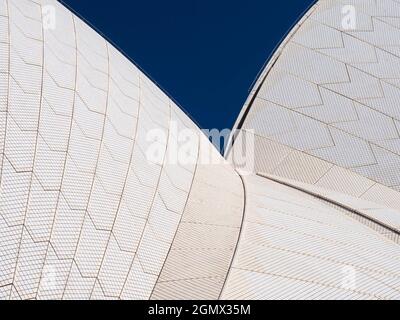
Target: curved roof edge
263,73
120,50
378,216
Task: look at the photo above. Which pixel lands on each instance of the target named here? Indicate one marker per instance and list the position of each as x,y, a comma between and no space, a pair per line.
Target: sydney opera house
95,203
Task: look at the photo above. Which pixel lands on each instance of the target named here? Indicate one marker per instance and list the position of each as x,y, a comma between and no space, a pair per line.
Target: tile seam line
8,93
341,205
107,39
240,233
266,68
95,173
180,220
31,179
59,195
305,153
149,212
121,198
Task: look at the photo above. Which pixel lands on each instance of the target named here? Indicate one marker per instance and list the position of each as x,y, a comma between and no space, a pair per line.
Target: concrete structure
95,203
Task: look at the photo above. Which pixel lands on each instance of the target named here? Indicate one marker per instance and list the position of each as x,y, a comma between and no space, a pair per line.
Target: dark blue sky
204,53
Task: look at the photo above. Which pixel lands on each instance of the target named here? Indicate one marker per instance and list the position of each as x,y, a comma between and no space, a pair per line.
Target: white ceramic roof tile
52,278
190,289
360,85
9,238
246,284
114,268
274,121
370,125
40,211
14,192
387,103
30,259
86,214
386,216
385,170
383,195
206,238
26,15
78,287
335,108
4,31
282,225
386,66
139,284
345,181
383,34
328,11
347,151
351,51
312,62
63,239
277,152
361,103
312,37
4,8
296,164
126,105
91,241
291,99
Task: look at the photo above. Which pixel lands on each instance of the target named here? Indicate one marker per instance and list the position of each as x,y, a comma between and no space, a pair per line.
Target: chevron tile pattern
334,93
83,213
87,213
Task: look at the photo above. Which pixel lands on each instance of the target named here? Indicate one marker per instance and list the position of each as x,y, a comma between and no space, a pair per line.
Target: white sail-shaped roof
104,196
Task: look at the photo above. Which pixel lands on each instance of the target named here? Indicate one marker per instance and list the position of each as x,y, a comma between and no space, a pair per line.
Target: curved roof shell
325,110
86,212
